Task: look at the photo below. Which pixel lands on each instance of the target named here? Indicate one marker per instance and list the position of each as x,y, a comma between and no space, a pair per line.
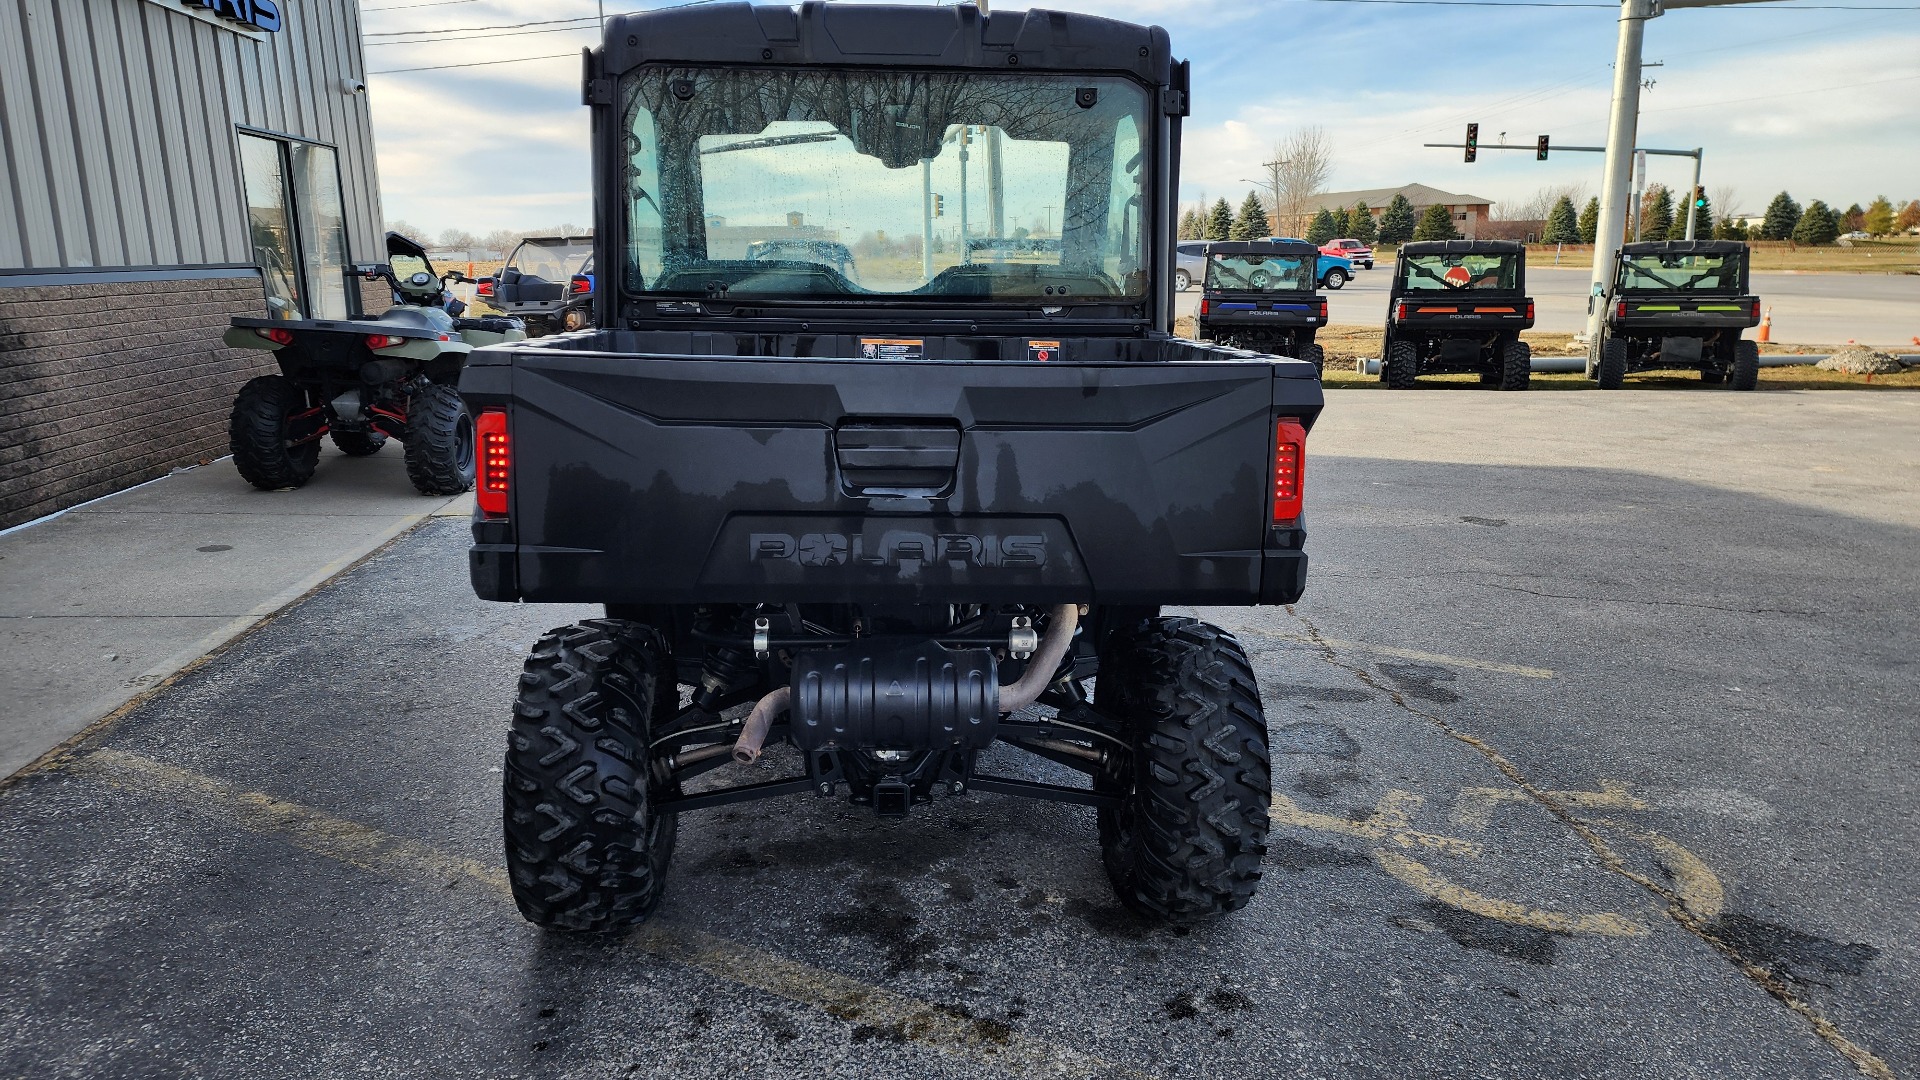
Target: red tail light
1205,306
484,288
1400,311
1323,311
1529,311
496,462
383,341
1289,472
1756,309
277,335
579,284
1620,310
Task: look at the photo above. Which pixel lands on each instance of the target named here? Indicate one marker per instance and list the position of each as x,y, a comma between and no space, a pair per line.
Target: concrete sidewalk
105,601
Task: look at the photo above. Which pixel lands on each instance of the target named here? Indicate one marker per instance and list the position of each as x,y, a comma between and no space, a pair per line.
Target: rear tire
1400,366
586,848
1746,366
1516,365
439,441
1613,364
258,434
358,443
1314,355
1187,842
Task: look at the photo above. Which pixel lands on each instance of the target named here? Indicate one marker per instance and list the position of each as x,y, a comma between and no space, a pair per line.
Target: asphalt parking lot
1594,756
1814,309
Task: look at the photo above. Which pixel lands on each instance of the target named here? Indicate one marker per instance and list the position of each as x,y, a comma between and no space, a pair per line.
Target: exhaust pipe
1040,669
1013,697
746,749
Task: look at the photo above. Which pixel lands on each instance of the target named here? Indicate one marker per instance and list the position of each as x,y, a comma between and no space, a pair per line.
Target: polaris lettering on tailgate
897,547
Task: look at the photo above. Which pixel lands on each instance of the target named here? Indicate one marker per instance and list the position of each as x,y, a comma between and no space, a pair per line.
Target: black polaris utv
363,381
1258,295
874,523
1458,306
1679,304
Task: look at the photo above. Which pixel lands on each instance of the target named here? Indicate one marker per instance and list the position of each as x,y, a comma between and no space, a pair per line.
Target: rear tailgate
1693,312
674,479
1491,312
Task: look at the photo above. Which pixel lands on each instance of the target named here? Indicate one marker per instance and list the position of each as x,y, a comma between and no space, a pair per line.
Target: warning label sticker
1043,350
874,348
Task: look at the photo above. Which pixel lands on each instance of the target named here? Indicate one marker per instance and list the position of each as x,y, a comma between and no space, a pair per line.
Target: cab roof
1260,247
1684,247
1463,247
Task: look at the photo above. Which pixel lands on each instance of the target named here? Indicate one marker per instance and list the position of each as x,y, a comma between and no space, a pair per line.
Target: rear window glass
1493,272
554,262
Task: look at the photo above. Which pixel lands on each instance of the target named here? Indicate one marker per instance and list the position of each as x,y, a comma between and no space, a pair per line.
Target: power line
429,3
474,63
483,37
498,26
1791,93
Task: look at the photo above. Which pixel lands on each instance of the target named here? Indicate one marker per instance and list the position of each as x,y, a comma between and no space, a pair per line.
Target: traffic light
1473,141
939,205
1540,148
1699,197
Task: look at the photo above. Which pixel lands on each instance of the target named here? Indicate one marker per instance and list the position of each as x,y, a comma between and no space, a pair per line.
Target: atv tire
1399,367
1516,365
358,443
258,434
1613,364
439,441
1312,354
1187,841
1746,366
587,849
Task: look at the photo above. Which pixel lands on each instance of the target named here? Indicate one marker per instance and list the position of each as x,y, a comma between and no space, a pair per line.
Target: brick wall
103,386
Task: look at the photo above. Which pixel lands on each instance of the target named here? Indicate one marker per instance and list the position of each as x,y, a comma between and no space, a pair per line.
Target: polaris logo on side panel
897,548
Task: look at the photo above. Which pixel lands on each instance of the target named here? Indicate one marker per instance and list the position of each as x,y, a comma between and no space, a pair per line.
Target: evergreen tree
1879,217
1782,215
1590,221
1563,224
1321,229
1397,224
1252,222
1702,219
1854,220
1436,224
1909,216
1656,213
1219,221
1342,223
1728,229
1816,225
1185,229
1360,224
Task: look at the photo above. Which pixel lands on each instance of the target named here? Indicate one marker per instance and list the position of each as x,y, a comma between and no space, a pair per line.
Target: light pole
1622,126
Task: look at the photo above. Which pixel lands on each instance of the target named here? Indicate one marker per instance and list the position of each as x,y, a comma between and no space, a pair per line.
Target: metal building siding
117,129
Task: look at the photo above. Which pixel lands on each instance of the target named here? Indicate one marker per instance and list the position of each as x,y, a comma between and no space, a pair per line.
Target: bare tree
457,240
1297,171
1537,206
1726,201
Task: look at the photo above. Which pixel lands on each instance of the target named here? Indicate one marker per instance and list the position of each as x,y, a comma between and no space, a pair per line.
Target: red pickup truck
1356,250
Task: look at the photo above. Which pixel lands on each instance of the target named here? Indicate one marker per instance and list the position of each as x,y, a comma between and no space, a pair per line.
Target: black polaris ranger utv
872,524
1258,294
1459,306
1680,304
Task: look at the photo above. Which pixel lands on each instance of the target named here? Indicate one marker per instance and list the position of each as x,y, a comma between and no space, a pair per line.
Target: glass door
297,224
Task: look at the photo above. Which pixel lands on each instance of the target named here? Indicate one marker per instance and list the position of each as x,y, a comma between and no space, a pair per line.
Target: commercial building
1470,212
164,166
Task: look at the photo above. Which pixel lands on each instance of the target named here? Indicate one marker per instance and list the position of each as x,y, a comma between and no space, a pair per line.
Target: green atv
1679,304
365,380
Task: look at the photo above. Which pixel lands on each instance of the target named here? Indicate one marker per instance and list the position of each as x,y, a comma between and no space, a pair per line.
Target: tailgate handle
896,459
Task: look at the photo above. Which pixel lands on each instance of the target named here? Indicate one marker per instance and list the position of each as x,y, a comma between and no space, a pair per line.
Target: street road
1594,757
1814,309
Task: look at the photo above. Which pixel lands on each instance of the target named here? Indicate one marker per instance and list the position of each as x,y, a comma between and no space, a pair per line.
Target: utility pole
1691,209
1622,126
926,218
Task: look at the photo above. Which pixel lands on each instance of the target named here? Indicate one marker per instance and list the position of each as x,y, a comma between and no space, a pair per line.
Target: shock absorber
726,670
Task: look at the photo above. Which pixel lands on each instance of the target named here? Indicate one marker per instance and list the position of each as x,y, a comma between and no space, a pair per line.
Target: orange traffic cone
1766,325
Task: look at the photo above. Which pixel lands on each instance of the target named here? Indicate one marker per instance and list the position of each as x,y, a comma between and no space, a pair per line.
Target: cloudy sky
1818,97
